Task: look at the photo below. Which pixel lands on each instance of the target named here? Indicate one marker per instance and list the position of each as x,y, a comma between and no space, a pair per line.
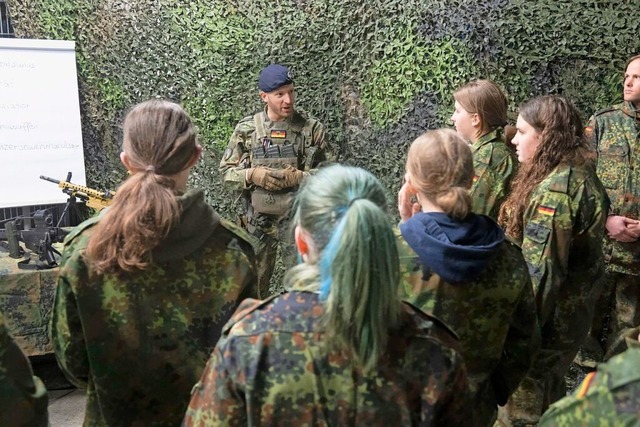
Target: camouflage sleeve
454,407
591,132
546,244
490,182
23,397
520,347
235,158
215,399
67,337
327,153
321,152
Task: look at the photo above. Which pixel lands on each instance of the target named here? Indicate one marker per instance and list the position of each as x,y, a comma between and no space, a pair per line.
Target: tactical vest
277,150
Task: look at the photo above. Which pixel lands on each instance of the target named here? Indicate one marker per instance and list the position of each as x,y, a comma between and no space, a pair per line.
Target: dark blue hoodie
457,251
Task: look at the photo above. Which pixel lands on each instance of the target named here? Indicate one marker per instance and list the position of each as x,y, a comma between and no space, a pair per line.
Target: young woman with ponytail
339,348
145,287
458,267
480,118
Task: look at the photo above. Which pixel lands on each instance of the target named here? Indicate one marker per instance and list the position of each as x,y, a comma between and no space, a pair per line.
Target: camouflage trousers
276,252
562,335
617,313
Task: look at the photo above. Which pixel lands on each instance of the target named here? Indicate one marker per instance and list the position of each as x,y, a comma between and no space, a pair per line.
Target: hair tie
150,168
353,200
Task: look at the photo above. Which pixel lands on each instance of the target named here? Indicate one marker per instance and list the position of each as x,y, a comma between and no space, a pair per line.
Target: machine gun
38,235
92,198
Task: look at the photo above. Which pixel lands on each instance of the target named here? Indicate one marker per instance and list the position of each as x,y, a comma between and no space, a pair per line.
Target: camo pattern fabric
494,316
26,299
307,135
562,245
271,368
494,166
615,133
139,341
23,397
609,396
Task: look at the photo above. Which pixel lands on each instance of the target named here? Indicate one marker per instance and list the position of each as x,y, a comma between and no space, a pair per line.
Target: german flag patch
546,210
588,131
279,134
584,387
475,178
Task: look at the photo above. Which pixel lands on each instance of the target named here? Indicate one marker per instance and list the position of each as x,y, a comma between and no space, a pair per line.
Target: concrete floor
66,408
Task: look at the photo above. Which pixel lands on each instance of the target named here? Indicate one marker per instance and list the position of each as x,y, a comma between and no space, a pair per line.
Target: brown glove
292,176
269,179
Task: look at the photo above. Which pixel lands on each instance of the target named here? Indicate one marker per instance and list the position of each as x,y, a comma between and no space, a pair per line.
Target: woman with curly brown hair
556,211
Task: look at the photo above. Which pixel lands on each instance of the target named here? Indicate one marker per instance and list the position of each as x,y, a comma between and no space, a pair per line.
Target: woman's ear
301,242
124,158
305,244
196,156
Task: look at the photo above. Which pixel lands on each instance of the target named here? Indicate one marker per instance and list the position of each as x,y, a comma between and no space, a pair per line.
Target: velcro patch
278,134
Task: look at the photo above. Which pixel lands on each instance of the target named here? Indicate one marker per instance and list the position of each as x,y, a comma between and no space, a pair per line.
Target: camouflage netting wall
377,73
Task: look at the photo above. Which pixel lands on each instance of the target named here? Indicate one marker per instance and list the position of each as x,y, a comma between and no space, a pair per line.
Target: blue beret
274,76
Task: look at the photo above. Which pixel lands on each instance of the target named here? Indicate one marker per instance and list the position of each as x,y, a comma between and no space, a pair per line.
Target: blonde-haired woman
459,268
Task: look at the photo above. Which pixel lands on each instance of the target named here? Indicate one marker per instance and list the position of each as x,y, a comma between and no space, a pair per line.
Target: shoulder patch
586,383
245,126
560,182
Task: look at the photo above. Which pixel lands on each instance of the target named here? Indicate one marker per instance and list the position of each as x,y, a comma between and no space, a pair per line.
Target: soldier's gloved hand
292,176
269,179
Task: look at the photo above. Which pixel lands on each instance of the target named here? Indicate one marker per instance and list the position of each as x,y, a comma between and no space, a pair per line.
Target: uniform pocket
534,243
613,165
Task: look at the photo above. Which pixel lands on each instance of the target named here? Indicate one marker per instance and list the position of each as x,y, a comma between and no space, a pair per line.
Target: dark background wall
377,73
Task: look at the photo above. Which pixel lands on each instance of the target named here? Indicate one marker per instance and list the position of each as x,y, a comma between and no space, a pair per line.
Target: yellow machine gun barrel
95,199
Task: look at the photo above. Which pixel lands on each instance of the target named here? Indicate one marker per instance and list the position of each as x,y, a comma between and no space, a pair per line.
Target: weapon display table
26,301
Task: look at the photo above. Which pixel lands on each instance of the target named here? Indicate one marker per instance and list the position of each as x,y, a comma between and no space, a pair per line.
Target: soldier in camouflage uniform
556,212
615,134
267,157
339,348
140,304
480,117
459,268
23,397
610,396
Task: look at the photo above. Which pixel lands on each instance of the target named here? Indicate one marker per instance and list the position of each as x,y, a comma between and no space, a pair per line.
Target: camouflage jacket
610,396
271,368
139,341
23,397
562,245
306,134
494,316
615,133
494,166
562,242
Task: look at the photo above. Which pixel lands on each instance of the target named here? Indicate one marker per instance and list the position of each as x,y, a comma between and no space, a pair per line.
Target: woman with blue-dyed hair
339,348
